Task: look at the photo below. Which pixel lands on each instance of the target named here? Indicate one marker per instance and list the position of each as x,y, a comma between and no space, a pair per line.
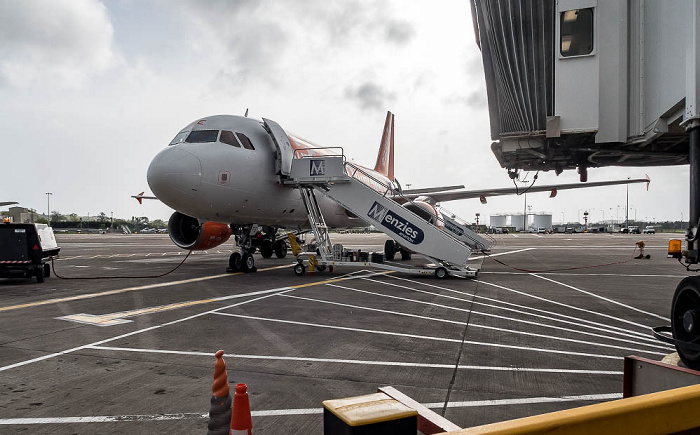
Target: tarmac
543,330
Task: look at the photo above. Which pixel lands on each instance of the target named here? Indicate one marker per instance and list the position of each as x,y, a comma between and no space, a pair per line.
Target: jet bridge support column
694,160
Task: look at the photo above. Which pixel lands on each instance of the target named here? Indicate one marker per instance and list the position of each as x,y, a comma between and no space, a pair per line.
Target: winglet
139,197
648,181
385,158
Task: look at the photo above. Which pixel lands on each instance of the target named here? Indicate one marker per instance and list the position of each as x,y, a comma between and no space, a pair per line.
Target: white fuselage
229,183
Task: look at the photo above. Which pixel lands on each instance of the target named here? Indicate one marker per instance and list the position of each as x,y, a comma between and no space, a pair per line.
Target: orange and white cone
220,409
241,421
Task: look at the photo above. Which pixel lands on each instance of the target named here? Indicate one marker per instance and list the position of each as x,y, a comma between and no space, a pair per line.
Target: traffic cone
241,422
220,408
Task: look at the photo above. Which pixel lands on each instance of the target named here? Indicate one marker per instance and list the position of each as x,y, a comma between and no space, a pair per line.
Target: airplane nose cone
174,175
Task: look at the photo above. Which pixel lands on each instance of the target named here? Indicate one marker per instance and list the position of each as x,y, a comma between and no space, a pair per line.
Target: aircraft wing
430,190
2,204
553,189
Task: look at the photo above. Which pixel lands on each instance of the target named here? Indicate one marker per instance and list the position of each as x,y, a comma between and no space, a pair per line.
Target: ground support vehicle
26,249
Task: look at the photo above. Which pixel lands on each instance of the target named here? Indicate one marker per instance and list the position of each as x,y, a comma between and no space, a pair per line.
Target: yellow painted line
120,317
117,318
125,290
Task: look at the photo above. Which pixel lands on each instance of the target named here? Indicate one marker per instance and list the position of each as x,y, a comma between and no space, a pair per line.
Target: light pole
48,207
681,226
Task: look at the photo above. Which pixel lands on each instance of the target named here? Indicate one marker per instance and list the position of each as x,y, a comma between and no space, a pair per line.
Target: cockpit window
227,137
179,138
245,141
199,136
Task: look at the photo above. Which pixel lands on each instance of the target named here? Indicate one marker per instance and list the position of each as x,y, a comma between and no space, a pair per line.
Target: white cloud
54,42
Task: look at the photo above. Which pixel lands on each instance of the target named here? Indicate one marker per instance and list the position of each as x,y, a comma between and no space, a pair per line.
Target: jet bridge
372,200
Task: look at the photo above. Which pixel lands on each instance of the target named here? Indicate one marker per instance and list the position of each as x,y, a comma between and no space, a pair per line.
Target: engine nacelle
425,210
187,233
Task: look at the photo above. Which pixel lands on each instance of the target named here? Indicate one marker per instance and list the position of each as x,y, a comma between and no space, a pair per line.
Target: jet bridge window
576,29
200,136
228,138
245,141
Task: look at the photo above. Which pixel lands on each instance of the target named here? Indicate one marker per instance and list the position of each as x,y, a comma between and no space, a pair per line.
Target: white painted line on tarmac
421,337
612,301
617,319
526,400
140,331
620,275
478,326
297,411
498,254
567,319
363,362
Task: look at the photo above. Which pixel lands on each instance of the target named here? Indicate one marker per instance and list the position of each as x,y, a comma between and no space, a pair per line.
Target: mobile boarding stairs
445,240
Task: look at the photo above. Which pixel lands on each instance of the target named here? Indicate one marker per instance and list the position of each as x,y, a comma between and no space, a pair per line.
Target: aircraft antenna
246,113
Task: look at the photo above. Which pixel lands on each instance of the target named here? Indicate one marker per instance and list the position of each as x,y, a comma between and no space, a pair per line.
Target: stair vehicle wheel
47,270
405,255
685,319
39,274
266,249
299,269
389,249
440,273
321,268
235,262
281,249
247,262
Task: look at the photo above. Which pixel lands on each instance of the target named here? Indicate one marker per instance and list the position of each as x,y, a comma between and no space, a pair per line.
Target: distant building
516,220
22,215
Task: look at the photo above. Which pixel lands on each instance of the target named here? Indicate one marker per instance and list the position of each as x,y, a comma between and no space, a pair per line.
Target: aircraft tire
405,255
266,249
389,249
281,249
39,274
440,273
685,319
299,269
247,262
235,262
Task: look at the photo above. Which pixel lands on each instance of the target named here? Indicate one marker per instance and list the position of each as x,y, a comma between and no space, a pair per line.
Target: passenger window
228,138
179,138
576,28
245,141
200,136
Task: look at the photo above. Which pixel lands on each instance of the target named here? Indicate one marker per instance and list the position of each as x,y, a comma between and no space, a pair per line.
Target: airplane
2,204
222,175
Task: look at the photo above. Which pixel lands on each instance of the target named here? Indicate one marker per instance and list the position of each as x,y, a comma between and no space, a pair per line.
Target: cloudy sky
90,91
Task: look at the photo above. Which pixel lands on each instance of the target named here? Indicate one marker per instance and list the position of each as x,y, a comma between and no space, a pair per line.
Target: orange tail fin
385,158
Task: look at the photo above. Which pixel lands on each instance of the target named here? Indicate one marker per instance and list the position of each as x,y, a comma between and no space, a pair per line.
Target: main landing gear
266,241
391,248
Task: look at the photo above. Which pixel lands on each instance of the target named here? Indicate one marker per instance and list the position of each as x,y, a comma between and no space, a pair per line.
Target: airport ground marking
271,292
420,337
627,331
543,325
478,326
126,290
264,294
618,275
296,411
498,254
612,301
118,318
566,319
363,362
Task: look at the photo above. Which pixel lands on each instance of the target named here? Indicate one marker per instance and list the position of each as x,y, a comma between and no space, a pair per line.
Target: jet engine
424,207
187,233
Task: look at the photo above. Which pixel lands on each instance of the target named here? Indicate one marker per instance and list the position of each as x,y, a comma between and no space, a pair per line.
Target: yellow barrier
656,413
